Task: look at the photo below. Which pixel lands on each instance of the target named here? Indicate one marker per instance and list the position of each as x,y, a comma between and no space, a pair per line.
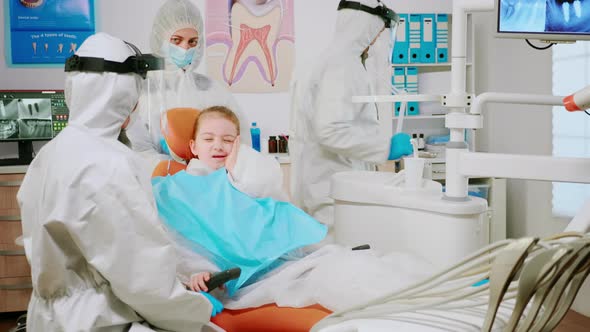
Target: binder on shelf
442,38
415,35
412,88
401,47
428,39
398,80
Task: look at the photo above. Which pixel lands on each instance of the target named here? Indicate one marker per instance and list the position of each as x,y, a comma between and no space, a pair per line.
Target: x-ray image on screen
34,108
544,16
9,110
27,118
568,16
8,129
34,128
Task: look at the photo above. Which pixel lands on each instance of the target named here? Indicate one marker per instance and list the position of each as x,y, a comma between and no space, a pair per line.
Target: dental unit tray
220,278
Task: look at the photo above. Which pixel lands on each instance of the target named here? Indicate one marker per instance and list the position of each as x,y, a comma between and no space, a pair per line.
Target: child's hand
232,158
198,280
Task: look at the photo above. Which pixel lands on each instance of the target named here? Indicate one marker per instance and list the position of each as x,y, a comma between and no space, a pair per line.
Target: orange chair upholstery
270,318
178,128
178,131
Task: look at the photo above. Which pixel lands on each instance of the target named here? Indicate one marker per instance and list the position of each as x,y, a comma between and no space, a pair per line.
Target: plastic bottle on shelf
255,133
421,142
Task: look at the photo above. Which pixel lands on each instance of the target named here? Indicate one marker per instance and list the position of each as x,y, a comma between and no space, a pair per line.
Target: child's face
214,140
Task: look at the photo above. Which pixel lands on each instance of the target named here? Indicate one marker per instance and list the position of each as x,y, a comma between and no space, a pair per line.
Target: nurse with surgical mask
177,36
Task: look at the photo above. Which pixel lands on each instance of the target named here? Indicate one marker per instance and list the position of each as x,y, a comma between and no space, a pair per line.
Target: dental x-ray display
544,19
31,115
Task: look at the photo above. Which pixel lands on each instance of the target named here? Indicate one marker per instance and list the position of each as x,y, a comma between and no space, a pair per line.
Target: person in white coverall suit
329,133
99,257
178,37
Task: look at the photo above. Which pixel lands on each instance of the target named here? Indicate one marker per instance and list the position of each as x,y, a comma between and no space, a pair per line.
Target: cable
537,47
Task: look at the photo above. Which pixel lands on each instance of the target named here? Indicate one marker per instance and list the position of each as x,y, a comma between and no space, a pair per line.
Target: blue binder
442,38
402,45
412,88
398,80
415,36
428,39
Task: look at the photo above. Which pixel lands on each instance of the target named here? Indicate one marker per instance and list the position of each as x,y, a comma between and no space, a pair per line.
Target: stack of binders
421,38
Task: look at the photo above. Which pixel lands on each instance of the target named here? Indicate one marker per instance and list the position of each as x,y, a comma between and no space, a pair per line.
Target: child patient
216,144
229,208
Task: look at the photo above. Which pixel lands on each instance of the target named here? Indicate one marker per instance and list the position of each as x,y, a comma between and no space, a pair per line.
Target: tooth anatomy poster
250,44
47,31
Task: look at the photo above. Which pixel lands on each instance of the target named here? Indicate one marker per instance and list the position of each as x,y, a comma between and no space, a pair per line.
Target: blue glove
400,146
217,306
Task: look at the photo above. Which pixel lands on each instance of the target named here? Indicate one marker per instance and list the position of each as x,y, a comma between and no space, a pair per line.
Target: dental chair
533,281
178,131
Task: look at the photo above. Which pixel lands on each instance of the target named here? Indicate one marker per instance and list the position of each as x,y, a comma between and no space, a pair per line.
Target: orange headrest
178,127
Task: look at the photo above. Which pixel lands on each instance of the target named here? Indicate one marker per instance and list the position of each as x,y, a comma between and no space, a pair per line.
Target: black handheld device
220,278
362,247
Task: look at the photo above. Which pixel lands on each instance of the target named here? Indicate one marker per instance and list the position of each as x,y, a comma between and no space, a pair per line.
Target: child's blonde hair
220,111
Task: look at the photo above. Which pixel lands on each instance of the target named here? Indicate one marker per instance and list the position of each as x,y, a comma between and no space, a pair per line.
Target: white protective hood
176,87
99,257
329,133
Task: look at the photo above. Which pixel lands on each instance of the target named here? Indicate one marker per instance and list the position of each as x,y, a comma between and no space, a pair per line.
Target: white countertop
283,158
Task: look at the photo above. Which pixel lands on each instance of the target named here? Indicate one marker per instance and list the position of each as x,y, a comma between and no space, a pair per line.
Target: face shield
138,64
378,62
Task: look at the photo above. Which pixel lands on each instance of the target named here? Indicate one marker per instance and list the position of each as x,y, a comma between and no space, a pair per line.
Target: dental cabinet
15,273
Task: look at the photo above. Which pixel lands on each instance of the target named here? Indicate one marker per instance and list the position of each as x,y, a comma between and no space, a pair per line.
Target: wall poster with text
47,31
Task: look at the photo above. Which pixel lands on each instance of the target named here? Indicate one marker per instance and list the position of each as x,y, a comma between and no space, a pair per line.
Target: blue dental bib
229,227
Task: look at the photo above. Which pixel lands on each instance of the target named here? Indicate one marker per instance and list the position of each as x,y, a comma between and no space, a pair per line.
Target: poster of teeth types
45,32
250,44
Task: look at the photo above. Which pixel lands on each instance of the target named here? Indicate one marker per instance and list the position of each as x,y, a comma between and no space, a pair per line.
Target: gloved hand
400,146
217,306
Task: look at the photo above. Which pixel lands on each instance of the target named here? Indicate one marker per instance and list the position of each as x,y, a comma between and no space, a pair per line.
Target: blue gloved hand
217,306
400,146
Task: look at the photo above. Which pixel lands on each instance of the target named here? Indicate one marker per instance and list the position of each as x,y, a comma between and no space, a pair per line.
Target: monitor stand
25,155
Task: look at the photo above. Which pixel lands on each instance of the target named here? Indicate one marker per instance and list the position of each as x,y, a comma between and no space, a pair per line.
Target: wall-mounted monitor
27,116
549,20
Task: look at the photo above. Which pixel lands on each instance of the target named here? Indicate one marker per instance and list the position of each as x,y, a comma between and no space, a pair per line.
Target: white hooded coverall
176,87
99,257
329,133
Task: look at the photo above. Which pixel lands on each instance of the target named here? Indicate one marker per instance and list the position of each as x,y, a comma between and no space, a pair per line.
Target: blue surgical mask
180,56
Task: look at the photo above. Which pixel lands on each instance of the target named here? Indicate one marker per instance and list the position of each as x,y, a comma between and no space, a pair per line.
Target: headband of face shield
388,16
139,64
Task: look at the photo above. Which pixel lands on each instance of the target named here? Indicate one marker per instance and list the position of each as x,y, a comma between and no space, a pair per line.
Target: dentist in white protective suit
178,36
99,257
329,133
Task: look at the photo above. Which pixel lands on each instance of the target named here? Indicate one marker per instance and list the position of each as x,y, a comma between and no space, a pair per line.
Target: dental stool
267,318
